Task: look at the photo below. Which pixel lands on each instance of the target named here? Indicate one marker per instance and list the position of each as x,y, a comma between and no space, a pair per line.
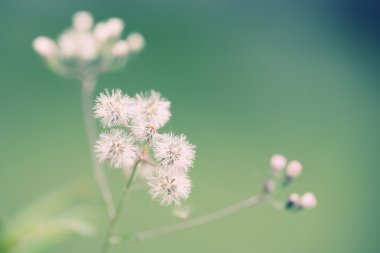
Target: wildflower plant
132,139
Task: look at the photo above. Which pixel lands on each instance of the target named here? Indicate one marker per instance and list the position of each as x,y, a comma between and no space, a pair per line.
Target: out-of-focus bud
294,169
120,49
45,46
101,32
278,162
308,200
269,186
83,21
293,201
115,27
136,42
182,212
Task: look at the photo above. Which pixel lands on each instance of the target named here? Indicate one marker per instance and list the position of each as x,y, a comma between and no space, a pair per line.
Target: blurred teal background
246,79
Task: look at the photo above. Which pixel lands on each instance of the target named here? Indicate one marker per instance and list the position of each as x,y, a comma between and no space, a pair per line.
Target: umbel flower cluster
286,173
131,138
88,48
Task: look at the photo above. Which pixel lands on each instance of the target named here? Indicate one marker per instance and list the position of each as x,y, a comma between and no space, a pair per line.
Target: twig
88,85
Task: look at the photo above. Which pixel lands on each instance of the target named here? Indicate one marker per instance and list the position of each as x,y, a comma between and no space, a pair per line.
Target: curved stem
200,220
88,85
112,225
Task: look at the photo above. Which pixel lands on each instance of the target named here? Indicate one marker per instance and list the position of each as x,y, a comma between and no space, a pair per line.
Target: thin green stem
119,207
202,220
88,86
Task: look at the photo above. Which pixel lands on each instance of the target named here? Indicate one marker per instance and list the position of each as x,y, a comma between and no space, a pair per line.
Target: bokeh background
246,79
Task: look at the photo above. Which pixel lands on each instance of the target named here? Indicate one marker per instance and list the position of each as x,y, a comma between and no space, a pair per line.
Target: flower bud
45,46
82,21
308,200
269,186
120,49
101,32
136,42
293,201
294,169
278,162
115,27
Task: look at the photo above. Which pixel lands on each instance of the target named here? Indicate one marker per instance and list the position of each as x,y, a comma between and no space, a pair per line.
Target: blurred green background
246,79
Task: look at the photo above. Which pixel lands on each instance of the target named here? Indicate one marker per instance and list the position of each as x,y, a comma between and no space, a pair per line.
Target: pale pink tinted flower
45,46
278,162
308,200
82,21
136,41
294,169
120,49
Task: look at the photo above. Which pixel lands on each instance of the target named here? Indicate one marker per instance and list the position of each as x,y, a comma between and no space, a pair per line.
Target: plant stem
119,208
200,220
88,86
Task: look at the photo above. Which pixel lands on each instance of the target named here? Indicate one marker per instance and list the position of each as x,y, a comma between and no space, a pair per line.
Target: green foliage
49,221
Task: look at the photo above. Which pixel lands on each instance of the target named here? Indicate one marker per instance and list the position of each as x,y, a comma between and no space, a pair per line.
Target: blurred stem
88,86
119,208
202,220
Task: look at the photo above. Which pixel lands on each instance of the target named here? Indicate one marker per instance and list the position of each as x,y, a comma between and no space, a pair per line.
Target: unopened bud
136,42
308,200
278,162
82,21
120,49
45,46
269,186
293,201
294,169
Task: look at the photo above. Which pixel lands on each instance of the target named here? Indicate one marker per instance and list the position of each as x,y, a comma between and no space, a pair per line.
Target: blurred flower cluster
131,135
286,173
87,48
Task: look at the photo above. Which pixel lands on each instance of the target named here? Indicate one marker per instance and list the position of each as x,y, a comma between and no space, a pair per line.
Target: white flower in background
136,42
169,187
120,49
115,26
308,200
278,162
114,109
173,152
153,108
83,21
143,131
45,46
117,148
294,169
78,44
86,48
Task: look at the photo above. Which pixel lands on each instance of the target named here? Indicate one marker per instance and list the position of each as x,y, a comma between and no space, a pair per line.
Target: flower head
169,187
45,46
116,147
153,108
278,162
83,21
308,200
114,109
143,131
173,152
136,41
294,169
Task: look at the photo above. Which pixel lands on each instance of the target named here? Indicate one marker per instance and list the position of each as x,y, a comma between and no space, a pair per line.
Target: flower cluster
287,172
132,125
87,47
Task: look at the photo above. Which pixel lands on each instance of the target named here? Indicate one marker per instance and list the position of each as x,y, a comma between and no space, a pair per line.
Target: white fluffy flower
169,187
153,108
45,46
143,131
173,152
117,148
114,109
83,21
